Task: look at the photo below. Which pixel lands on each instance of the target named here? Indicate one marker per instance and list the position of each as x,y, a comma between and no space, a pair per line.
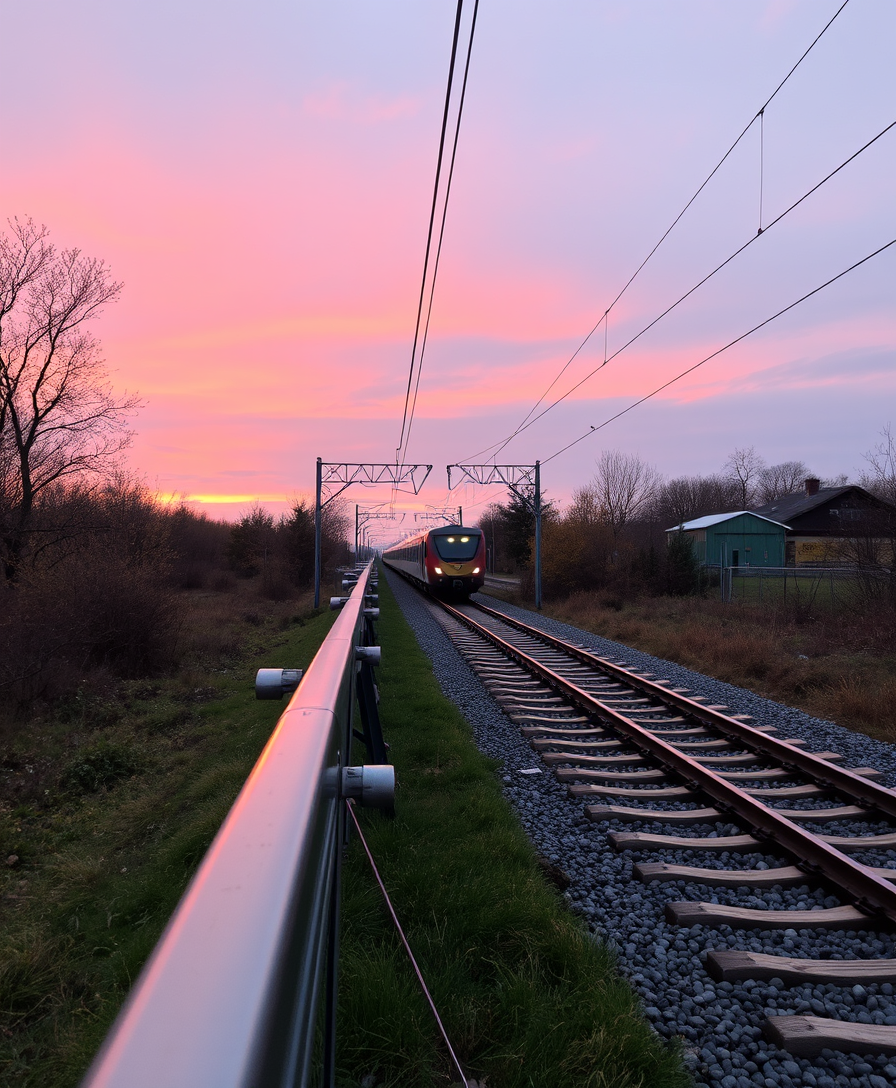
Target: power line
432,215
718,352
435,273
605,316
608,359
411,401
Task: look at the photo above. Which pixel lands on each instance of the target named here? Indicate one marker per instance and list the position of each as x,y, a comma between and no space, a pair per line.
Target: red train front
449,560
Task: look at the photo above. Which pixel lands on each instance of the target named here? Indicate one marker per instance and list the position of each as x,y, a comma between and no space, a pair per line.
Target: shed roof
715,519
792,506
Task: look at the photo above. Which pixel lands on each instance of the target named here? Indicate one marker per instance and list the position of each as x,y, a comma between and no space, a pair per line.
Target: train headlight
438,570
475,570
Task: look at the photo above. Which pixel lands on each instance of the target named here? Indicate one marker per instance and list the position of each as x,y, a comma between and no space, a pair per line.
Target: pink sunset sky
259,176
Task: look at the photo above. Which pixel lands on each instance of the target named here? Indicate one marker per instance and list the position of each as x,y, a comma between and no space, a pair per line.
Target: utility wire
435,273
730,344
432,217
498,446
411,400
665,235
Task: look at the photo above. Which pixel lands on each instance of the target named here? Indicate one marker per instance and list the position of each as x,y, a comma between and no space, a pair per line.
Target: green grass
806,590
527,997
108,815
109,807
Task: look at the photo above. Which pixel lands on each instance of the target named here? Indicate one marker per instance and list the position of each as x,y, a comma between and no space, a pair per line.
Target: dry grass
217,624
840,667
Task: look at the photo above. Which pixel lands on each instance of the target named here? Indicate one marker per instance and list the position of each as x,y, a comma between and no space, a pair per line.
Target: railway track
661,773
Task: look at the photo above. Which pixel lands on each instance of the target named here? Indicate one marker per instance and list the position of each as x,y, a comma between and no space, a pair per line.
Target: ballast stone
665,958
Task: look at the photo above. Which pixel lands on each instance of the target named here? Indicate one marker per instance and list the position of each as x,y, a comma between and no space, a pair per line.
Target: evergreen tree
682,566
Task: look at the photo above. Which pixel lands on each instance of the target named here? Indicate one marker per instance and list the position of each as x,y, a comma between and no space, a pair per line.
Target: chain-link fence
829,587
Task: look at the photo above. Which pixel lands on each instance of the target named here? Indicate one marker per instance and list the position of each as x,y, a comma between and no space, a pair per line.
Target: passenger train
449,560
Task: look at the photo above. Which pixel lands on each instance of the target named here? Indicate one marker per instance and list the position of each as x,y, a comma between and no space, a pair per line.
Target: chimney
812,486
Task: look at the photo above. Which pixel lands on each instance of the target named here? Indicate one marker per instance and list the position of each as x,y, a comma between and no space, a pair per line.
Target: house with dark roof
737,539
834,526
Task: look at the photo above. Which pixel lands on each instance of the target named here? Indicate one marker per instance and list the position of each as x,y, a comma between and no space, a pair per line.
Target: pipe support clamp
275,683
373,785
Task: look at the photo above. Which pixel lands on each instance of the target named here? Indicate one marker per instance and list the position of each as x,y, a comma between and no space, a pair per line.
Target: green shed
740,539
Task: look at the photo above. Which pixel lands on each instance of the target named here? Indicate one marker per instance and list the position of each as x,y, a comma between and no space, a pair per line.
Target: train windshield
457,546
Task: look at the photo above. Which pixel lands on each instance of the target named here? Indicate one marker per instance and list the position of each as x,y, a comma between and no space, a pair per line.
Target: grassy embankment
108,808
835,663
527,997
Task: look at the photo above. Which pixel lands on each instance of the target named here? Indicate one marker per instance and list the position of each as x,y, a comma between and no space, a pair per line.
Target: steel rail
841,778
869,892
231,995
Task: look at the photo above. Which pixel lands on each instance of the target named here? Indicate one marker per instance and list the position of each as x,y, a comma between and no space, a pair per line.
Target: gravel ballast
719,1023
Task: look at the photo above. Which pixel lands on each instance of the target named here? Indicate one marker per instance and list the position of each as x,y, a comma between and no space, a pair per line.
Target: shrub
98,767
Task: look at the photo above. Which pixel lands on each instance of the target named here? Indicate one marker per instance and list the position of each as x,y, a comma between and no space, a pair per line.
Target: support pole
317,520
538,535
460,515
524,481
356,532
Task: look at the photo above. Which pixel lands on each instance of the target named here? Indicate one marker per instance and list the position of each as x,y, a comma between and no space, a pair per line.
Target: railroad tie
825,815
672,816
783,792
574,774
787,876
751,757
693,745
715,914
808,1036
725,965
540,743
572,757
551,731
553,721
697,731
589,789
643,840
741,844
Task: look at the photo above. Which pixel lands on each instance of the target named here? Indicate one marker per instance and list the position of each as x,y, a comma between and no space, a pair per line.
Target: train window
457,547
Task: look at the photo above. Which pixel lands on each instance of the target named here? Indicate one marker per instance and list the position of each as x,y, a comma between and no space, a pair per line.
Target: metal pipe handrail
230,996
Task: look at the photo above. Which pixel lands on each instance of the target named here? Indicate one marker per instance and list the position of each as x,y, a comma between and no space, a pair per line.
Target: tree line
613,532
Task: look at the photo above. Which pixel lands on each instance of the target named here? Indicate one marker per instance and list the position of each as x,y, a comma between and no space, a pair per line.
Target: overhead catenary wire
432,218
421,335
684,373
460,110
498,446
605,316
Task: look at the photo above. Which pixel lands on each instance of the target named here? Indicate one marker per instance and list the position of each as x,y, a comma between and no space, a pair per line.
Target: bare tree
59,418
585,507
776,481
686,497
880,477
624,487
880,480
744,468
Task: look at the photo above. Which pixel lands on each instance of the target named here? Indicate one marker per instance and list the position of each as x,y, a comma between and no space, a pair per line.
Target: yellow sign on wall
816,551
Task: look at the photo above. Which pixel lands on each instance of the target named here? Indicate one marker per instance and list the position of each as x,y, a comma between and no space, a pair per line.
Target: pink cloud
343,102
